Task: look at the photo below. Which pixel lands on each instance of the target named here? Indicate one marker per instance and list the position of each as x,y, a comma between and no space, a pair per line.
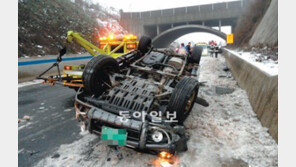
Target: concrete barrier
262,90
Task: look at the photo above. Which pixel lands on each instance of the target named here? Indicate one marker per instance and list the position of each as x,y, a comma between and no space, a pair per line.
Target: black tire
185,90
95,75
196,54
144,44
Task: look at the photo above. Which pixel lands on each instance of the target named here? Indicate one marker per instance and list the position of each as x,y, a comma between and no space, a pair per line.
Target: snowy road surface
227,133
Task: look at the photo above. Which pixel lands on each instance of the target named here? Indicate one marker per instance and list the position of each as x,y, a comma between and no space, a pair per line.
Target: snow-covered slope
267,31
42,25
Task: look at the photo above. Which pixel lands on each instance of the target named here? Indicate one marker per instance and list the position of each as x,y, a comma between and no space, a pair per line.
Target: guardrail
34,62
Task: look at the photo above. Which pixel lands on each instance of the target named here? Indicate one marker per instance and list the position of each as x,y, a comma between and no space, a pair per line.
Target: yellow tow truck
112,45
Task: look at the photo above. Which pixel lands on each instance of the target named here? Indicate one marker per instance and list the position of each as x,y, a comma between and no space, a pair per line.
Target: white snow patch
228,129
68,109
24,126
25,56
20,151
29,83
269,66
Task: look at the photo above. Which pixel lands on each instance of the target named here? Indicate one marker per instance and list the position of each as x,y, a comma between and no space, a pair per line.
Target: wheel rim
103,82
190,102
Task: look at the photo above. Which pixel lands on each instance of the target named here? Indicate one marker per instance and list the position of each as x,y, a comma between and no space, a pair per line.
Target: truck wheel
144,44
96,74
183,98
196,54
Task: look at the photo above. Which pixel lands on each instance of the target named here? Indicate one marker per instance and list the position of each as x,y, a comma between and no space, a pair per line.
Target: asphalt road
52,121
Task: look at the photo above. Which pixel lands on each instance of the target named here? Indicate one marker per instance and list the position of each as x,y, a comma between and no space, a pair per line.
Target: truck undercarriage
149,92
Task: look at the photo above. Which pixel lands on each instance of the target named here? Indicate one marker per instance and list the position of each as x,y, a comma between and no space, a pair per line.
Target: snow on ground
268,65
90,151
29,83
228,130
227,133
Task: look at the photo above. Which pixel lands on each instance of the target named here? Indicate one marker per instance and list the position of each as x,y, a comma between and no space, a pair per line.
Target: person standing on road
182,45
182,49
188,48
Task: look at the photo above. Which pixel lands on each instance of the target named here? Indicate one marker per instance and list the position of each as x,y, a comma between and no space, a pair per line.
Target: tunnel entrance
165,38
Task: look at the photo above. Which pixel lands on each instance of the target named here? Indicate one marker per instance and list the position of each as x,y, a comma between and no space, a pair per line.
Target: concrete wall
262,90
267,30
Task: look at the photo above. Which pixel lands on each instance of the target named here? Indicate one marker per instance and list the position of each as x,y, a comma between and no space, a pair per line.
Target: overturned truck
149,92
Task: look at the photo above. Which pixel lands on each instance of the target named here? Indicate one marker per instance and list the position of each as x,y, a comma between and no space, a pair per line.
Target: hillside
267,30
257,29
249,21
42,25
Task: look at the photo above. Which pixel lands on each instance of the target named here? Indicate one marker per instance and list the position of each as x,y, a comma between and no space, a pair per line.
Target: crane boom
76,37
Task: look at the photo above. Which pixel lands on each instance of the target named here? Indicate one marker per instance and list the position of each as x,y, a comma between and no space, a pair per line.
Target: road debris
27,118
226,68
34,152
223,90
56,155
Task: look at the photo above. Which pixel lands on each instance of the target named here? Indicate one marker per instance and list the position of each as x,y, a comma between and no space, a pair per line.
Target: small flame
165,154
166,159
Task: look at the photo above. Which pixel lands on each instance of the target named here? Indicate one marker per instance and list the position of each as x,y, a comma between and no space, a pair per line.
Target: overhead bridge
169,24
167,37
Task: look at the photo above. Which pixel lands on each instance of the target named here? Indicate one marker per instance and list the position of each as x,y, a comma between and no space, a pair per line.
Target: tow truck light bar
130,36
112,37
